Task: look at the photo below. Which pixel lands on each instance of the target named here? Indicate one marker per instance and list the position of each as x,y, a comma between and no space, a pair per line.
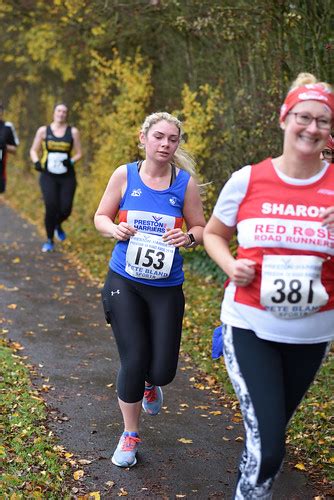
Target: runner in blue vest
55,145
146,207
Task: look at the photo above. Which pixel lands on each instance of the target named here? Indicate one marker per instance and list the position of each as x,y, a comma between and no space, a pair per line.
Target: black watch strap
191,240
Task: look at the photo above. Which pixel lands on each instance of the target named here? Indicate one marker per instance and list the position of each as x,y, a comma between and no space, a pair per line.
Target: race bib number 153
148,257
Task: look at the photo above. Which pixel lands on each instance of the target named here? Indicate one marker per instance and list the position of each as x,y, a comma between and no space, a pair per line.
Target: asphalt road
60,324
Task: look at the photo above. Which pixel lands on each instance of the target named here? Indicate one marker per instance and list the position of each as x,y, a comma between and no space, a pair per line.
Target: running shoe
152,400
125,453
60,234
48,246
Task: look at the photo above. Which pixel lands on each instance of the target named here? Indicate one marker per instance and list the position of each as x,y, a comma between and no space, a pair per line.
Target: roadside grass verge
310,435
32,467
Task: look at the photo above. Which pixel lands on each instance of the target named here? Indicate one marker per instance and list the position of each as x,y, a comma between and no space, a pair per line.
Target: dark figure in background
328,152
55,144
8,144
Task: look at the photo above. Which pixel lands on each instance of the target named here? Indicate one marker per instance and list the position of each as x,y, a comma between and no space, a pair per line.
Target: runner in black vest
55,143
8,144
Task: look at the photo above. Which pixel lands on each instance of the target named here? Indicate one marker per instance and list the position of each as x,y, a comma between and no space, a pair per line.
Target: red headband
308,92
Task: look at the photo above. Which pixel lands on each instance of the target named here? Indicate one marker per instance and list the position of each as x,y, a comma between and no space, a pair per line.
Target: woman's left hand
176,237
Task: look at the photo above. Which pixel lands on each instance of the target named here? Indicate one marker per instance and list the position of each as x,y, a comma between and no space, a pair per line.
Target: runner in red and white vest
278,306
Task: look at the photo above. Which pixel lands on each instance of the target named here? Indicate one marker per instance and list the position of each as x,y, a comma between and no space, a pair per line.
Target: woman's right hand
243,272
123,231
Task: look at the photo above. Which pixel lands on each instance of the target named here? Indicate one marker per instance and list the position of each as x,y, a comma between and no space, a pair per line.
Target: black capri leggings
58,193
270,379
147,324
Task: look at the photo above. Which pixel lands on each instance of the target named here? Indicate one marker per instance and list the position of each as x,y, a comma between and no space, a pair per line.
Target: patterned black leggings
270,379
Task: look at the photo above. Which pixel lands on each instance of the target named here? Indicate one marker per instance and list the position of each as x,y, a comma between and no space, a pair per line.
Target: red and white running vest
278,221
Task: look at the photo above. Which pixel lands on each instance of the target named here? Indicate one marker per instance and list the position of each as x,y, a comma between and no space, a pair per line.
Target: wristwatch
191,240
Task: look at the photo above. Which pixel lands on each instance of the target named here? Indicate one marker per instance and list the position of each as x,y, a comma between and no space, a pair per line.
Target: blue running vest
151,212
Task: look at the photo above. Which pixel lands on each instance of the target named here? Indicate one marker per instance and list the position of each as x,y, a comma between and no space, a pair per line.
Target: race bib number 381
291,285
148,257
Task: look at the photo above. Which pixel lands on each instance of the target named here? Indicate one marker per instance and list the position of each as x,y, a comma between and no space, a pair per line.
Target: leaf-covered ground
33,467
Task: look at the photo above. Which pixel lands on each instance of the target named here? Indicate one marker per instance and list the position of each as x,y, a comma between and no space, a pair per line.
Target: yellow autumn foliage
201,110
119,93
45,46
